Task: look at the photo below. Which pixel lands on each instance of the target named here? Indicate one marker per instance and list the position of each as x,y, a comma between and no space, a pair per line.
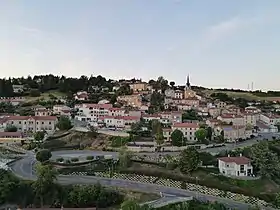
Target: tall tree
189,160
44,185
201,134
177,138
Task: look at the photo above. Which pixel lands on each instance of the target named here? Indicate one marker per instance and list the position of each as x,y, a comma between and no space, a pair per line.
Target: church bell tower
188,84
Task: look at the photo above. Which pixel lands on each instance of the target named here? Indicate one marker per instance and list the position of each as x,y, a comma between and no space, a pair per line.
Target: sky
220,44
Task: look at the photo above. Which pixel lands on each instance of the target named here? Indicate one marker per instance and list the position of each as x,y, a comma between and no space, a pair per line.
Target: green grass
45,96
246,95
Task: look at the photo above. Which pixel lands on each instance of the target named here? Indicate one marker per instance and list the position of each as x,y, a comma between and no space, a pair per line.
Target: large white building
270,119
32,123
118,121
188,129
235,166
92,112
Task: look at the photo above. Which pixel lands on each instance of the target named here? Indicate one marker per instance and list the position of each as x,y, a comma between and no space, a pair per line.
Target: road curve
23,168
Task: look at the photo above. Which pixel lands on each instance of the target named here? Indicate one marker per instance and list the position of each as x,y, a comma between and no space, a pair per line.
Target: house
270,119
62,110
232,119
149,117
264,128
118,121
250,119
42,111
220,104
18,88
13,100
252,109
188,129
81,96
172,117
214,112
92,112
11,137
235,166
232,133
32,123
140,86
116,111
134,100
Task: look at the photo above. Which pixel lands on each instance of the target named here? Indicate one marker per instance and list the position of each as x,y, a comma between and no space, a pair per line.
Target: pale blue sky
220,43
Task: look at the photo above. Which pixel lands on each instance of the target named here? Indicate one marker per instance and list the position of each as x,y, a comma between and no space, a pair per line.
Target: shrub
59,159
90,157
74,159
53,144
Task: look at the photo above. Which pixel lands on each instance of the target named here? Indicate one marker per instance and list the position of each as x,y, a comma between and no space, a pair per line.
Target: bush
34,93
90,157
53,144
59,159
75,159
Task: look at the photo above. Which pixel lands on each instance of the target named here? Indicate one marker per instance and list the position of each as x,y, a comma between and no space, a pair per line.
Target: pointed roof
188,84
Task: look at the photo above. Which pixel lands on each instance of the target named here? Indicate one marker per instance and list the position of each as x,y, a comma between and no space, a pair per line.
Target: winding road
24,168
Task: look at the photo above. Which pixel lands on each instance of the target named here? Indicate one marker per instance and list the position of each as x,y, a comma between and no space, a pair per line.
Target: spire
188,84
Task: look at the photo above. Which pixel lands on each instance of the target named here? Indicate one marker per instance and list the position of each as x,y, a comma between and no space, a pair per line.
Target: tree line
46,192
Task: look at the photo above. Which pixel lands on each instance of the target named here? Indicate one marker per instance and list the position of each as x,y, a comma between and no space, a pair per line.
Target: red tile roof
98,106
32,118
10,134
238,160
186,125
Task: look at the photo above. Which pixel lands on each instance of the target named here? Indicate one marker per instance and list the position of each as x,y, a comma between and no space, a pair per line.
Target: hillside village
133,103
180,136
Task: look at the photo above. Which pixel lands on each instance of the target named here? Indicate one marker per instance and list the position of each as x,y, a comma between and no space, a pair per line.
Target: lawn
246,95
45,96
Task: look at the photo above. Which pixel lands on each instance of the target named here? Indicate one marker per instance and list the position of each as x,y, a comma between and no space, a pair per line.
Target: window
50,123
241,168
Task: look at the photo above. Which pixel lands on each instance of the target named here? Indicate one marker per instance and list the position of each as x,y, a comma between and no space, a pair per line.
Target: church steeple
188,84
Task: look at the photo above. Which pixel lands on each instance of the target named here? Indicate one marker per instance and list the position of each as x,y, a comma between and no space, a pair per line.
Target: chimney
240,154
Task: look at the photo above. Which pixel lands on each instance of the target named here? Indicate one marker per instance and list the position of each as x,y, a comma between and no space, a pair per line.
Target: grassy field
246,95
45,96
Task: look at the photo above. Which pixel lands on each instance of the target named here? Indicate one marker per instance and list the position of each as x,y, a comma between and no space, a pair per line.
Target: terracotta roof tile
238,160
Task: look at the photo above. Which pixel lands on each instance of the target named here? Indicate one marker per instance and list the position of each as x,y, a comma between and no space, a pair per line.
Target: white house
81,96
270,119
235,166
119,121
92,112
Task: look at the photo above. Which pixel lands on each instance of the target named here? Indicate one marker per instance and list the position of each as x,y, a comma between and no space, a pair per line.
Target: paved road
24,169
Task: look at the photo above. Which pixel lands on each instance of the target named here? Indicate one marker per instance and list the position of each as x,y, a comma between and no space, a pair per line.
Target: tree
34,93
11,128
200,134
64,123
43,155
209,133
133,205
177,138
159,135
44,185
189,160
125,157
265,160
276,201
172,83
39,136
155,124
